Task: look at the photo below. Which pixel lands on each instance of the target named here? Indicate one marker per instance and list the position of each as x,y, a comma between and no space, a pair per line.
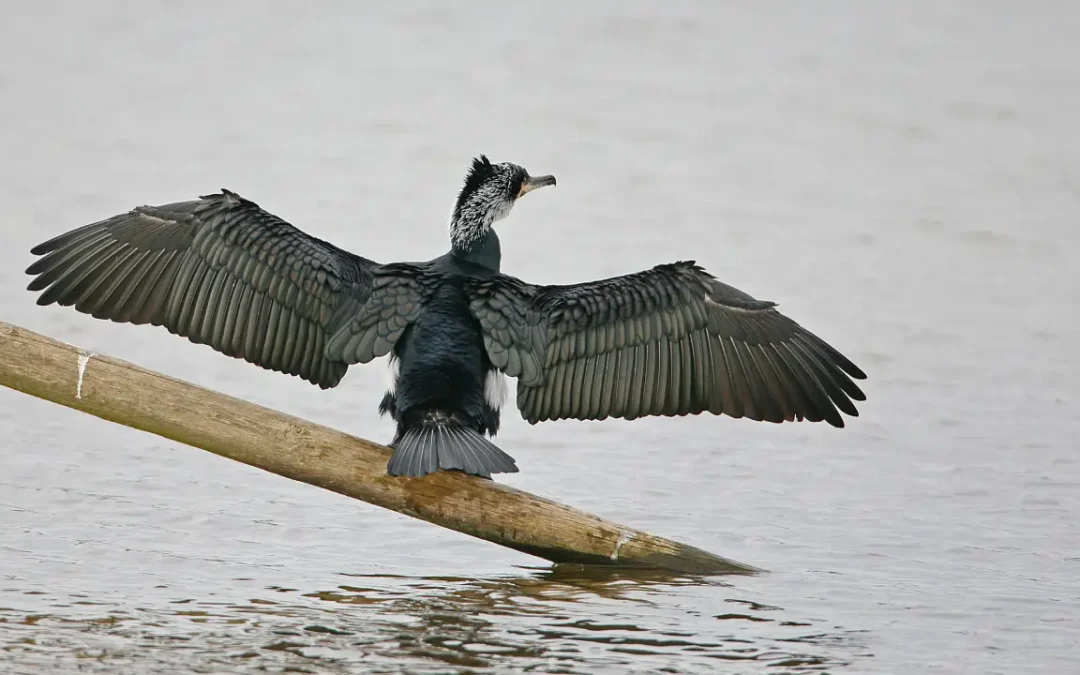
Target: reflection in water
565,620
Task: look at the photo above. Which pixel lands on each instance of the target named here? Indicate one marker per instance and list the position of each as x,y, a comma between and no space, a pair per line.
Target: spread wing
225,273
669,341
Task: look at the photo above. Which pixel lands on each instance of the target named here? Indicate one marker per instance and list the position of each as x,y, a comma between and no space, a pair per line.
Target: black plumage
668,341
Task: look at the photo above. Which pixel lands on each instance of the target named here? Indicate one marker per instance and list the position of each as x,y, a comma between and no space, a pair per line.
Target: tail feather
435,444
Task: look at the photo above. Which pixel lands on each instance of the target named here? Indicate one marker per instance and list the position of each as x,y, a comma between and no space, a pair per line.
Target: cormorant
671,340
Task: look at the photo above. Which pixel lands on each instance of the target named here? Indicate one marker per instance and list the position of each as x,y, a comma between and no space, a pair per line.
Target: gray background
901,177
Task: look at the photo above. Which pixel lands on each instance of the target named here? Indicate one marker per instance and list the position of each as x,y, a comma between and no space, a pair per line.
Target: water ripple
567,620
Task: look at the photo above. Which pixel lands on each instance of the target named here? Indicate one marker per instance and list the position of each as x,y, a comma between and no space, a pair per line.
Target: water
902,178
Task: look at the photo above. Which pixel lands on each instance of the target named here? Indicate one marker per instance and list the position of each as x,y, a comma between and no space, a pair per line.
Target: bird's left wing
668,341
223,272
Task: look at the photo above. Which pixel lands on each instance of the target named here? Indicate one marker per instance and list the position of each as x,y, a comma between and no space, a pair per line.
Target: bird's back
441,358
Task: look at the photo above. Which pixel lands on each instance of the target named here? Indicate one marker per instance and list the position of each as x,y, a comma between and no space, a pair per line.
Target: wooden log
124,393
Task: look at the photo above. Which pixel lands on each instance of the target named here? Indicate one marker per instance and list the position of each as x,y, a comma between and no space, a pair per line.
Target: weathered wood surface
124,393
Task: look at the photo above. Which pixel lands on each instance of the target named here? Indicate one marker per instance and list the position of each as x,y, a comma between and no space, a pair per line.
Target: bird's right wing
223,272
672,340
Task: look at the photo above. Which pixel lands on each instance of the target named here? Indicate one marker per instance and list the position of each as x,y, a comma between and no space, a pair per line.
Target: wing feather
223,272
667,341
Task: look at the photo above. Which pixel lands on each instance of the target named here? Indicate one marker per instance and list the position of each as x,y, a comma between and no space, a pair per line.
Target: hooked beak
532,182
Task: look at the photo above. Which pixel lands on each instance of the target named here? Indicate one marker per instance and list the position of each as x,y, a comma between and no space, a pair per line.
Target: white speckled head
490,191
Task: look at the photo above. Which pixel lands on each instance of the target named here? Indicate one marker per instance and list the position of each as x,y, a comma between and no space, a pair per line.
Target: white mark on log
624,537
84,358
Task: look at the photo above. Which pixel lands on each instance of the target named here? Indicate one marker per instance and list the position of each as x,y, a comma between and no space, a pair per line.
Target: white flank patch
495,389
84,358
392,368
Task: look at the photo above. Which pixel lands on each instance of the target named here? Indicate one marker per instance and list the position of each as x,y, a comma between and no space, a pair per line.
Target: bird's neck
483,250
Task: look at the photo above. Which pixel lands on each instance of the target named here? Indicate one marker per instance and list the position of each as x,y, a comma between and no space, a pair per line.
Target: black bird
669,341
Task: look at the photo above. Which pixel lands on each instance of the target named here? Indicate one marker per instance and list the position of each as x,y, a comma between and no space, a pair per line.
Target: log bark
124,393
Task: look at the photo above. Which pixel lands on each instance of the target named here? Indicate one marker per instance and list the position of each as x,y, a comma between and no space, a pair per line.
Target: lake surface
903,178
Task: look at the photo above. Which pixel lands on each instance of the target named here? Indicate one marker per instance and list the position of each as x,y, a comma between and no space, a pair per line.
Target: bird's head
490,191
